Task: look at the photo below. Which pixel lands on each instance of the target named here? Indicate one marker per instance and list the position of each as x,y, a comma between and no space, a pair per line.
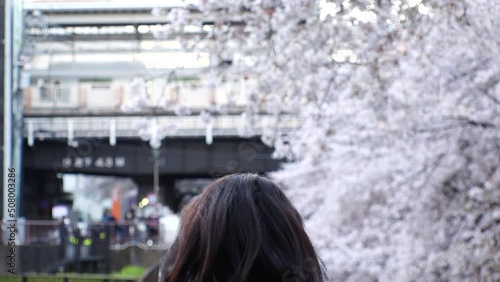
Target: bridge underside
188,158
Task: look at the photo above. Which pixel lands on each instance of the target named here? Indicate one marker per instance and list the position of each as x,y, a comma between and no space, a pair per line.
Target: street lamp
156,168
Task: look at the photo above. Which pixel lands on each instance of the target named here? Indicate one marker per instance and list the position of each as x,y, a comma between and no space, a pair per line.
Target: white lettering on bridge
100,162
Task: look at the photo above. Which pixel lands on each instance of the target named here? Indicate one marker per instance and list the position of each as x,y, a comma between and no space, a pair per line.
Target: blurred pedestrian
109,221
63,236
108,217
131,229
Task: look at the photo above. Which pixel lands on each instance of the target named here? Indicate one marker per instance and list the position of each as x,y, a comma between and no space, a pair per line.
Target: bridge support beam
167,194
42,190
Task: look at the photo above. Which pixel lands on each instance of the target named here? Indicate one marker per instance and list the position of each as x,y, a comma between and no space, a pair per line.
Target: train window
45,94
101,85
63,94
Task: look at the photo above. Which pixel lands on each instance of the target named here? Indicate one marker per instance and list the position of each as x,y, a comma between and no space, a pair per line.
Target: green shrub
130,271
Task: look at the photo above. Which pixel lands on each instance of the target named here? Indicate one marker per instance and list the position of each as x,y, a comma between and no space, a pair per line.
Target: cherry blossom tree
395,164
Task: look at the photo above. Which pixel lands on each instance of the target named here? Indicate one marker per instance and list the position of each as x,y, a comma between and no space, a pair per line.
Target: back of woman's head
242,228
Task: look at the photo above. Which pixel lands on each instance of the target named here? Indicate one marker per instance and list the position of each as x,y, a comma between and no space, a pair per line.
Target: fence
127,126
147,232
53,247
64,278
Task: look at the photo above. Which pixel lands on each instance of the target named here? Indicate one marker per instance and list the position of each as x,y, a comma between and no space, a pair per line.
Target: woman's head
242,228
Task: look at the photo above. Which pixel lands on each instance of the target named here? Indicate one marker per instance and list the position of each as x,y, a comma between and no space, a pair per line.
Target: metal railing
46,247
127,126
64,278
146,233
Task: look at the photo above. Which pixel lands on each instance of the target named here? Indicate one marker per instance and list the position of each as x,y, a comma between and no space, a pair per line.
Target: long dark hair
241,228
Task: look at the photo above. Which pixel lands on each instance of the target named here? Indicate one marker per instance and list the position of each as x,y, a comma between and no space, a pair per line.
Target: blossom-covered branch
396,158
